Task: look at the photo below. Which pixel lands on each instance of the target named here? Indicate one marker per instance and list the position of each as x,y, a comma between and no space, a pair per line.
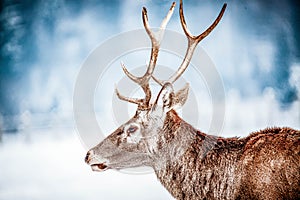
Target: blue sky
44,43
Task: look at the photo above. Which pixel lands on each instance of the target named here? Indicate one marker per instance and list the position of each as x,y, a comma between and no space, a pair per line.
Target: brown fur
264,165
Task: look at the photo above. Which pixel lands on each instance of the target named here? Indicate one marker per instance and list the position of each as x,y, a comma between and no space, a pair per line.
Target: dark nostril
86,159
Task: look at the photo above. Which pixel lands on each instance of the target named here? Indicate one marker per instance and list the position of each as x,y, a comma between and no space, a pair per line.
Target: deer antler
192,43
143,81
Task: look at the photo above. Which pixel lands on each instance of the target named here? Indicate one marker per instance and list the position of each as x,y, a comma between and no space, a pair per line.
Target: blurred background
255,48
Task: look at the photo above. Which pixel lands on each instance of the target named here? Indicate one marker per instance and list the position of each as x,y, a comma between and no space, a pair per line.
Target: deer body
264,165
189,163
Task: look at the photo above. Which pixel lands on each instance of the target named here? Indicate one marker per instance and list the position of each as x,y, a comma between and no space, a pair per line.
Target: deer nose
88,156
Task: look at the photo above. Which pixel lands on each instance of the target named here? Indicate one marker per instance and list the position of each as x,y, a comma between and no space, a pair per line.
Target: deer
189,163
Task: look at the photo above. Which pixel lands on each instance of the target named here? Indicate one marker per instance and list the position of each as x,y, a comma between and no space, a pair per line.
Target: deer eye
131,129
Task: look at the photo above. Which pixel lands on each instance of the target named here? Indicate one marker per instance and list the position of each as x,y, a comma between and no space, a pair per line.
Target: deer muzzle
91,160
99,167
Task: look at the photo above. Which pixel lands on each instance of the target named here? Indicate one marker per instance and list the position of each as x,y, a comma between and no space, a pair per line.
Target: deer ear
164,99
181,96
168,100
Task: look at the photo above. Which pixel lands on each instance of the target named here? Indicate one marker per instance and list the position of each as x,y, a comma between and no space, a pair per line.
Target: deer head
138,141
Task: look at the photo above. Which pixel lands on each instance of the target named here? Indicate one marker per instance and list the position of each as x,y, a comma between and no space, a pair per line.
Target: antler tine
198,38
131,100
192,43
168,17
155,38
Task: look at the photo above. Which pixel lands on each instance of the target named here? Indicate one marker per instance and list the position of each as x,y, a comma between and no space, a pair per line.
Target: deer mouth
99,167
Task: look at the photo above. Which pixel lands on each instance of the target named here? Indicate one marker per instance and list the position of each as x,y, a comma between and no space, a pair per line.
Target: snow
49,164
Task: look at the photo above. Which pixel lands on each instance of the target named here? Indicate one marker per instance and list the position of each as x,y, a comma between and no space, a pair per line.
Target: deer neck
183,153
174,139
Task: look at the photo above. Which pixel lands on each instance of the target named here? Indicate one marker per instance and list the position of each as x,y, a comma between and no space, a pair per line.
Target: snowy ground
49,164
